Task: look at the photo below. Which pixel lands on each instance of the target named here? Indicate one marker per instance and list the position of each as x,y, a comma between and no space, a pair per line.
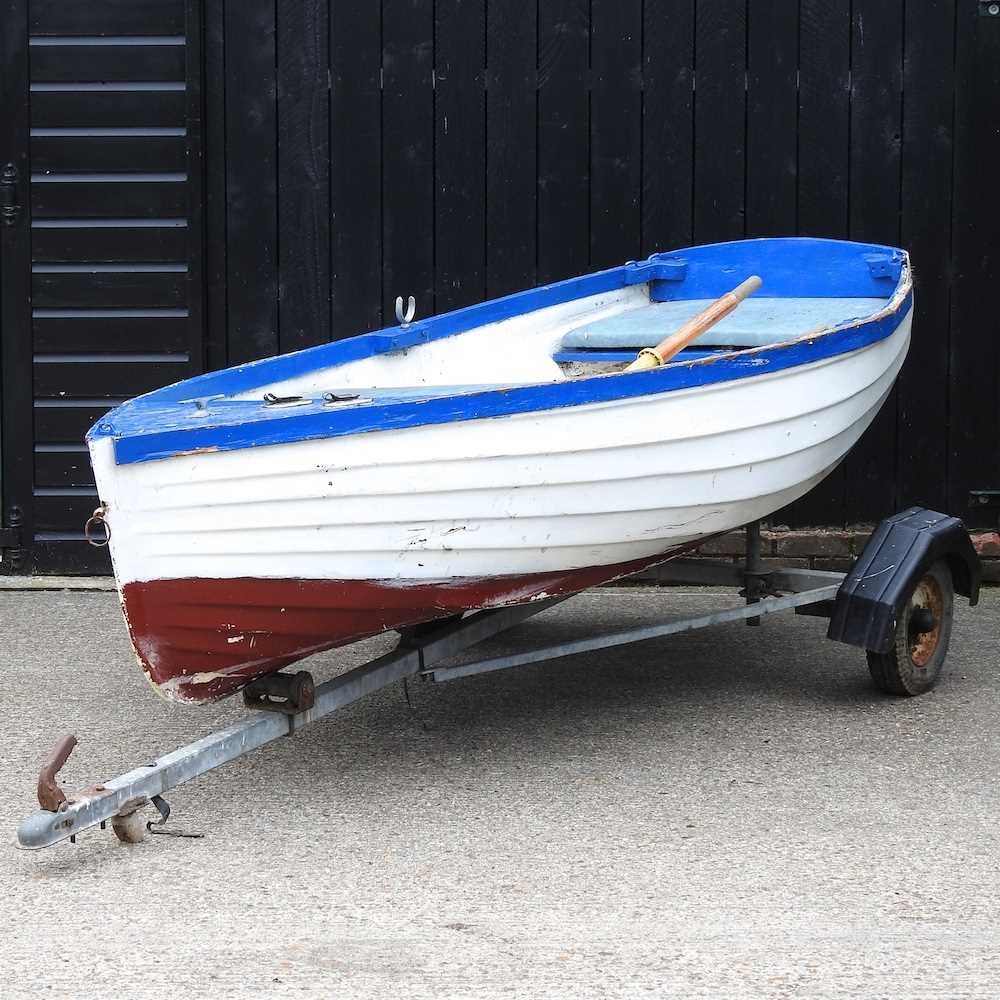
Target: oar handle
653,357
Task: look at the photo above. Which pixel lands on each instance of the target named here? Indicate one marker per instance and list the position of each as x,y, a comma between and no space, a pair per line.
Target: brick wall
817,548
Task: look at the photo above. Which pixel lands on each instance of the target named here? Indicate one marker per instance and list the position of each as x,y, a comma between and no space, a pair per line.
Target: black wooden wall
101,244
217,180
459,149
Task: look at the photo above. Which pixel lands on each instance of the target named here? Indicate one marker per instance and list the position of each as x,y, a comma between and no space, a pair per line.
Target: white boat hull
561,489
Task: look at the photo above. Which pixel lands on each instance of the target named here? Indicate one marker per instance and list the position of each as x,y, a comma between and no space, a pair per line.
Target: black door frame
16,396
24,547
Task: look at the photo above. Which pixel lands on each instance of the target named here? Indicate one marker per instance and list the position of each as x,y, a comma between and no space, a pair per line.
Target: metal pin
405,319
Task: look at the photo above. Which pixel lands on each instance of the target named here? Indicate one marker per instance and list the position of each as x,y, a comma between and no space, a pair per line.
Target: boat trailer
896,603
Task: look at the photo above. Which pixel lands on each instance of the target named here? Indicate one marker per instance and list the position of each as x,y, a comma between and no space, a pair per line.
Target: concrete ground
732,813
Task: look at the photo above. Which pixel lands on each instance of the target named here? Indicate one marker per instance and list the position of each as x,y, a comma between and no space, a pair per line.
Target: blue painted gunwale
160,424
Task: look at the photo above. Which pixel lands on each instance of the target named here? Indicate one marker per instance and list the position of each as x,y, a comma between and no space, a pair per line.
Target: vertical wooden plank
973,447
303,174
251,181
720,120
928,136
876,119
194,60
823,152
511,78
772,117
459,153
615,130
667,125
563,139
215,186
355,167
407,154
16,416
876,130
824,116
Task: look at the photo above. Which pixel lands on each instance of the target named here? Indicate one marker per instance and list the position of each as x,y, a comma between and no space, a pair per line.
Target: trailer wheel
129,829
913,663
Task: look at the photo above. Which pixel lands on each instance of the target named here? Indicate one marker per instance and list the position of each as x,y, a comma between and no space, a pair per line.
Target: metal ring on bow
97,518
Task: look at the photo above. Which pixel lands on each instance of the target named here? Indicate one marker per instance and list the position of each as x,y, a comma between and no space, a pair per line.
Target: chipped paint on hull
180,628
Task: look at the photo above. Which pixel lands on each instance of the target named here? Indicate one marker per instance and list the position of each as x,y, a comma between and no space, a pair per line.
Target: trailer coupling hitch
126,824
50,796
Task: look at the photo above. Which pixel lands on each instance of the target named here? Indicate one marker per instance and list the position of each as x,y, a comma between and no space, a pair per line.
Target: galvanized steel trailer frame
421,652
869,607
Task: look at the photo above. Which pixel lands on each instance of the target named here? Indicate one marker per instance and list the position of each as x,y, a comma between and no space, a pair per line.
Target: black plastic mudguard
898,553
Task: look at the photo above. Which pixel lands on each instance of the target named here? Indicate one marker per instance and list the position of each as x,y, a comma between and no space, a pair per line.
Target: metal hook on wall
404,319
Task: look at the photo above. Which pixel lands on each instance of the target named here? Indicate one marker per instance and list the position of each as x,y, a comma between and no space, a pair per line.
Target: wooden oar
653,357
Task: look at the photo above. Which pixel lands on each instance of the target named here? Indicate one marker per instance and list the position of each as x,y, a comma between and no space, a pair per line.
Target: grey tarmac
733,813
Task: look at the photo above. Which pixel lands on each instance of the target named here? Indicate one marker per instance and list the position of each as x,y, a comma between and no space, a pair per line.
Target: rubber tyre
913,664
302,690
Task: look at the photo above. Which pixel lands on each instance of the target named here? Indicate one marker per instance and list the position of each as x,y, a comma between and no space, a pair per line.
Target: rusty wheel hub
926,606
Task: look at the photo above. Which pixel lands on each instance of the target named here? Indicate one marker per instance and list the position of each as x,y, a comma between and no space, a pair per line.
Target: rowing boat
499,454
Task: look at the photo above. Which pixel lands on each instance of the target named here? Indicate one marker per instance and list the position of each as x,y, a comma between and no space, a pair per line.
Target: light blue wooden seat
757,321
